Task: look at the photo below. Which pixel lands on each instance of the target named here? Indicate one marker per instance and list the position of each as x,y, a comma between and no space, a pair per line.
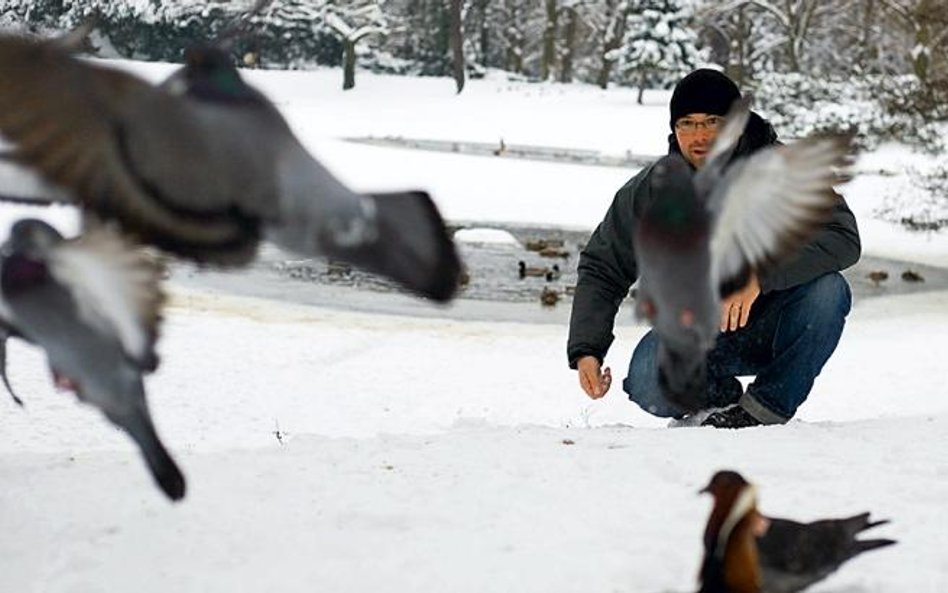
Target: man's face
695,133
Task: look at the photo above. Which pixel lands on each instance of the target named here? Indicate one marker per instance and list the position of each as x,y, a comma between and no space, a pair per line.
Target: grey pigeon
747,552
705,231
93,305
204,166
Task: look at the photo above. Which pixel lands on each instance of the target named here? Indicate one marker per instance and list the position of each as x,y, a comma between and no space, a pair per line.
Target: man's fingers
590,384
745,315
725,315
605,381
585,384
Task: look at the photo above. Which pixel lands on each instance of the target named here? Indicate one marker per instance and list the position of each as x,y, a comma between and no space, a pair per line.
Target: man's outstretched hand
594,380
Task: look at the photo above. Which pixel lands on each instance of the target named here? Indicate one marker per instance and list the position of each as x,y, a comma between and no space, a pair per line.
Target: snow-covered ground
419,453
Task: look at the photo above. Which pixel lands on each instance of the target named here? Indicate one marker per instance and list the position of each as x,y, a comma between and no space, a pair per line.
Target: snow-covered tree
608,23
926,22
352,21
659,46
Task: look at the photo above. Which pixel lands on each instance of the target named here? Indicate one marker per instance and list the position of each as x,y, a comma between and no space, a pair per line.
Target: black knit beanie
703,91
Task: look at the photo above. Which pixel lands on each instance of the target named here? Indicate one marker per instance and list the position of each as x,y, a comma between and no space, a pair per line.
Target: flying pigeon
744,547
703,232
93,304
205,167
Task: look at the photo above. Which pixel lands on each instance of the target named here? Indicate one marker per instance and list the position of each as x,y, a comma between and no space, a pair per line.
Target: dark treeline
626,42
888,58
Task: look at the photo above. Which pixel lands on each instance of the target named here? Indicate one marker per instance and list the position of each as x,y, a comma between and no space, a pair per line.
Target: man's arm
606,270
833,249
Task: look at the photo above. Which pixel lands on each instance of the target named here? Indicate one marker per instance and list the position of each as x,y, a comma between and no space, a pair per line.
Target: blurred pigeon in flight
747,552
93,304
704,231
204,166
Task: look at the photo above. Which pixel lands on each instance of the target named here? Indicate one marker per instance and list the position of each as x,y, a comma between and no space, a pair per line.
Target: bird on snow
748,552
93,304
707,229
205,167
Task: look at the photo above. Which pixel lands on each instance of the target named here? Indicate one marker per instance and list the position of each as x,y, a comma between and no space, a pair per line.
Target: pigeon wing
770,204
116,288
71,121
734,123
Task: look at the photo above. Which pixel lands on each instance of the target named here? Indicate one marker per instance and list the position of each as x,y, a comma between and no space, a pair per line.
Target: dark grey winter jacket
607,265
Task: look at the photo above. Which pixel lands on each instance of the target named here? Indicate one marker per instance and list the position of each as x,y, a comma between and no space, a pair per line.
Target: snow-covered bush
921,201
875,108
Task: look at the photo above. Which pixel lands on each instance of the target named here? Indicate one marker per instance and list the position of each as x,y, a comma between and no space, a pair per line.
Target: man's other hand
736,307
592,378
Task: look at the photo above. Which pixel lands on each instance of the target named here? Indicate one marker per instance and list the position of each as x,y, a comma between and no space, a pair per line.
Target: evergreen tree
659,46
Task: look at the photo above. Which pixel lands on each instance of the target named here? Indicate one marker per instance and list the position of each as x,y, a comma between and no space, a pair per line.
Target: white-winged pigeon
704,231
93,304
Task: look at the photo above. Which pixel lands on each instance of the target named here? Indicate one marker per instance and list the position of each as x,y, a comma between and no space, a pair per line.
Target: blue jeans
788,338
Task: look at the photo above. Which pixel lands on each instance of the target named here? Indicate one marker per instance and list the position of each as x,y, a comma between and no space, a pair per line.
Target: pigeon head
210,74
24,255
682,373
32,237
674,218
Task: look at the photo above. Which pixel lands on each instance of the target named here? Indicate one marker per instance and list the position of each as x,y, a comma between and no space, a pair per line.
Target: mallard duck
549,297
524,270
877,276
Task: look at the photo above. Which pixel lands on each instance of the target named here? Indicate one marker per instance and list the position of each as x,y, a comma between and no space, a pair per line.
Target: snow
421,452
485,236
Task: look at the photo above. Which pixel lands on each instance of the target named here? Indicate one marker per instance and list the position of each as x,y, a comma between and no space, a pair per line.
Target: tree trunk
349,64
484,41
612,39
920,59
605,71
868,52
642,82
457,44
569,46
549,40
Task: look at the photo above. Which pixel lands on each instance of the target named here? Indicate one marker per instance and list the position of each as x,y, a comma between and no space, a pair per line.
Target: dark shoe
733,417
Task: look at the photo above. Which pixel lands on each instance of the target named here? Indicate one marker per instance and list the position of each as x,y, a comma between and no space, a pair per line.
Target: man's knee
642,385
828,297
643,369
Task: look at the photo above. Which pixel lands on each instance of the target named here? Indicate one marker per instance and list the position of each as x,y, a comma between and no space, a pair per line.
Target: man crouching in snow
781,327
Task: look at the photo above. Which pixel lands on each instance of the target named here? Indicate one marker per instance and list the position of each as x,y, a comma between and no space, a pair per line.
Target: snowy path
476,509
427,454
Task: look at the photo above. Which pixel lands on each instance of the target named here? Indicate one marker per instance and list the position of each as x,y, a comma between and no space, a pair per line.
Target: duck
523,270
549,297
877,277
746,551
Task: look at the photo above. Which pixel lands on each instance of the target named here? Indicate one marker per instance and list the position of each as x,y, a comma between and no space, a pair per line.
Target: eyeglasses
690,126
